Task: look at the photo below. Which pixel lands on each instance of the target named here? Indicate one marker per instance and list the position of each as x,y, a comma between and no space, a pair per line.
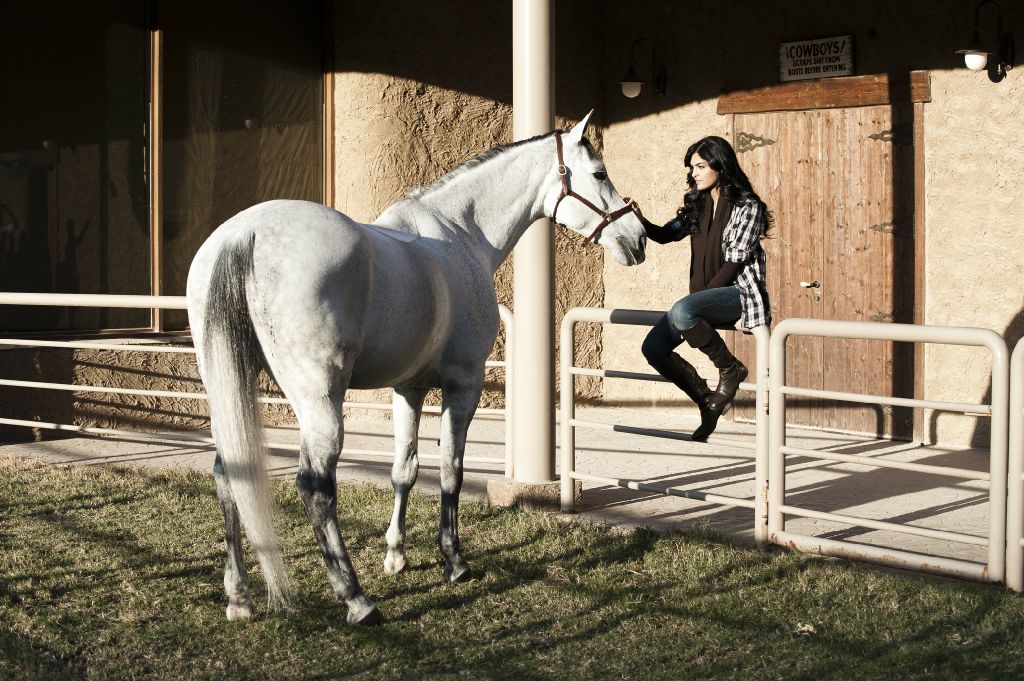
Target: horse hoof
394,563
239,608
457,574
363,613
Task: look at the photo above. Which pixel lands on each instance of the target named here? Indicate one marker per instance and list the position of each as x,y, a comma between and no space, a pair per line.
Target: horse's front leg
236,581
457,411
408,404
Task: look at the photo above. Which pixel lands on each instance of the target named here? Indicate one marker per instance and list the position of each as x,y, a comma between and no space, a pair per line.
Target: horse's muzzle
628,253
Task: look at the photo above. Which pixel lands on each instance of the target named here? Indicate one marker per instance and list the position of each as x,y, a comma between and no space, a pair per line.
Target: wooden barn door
840,183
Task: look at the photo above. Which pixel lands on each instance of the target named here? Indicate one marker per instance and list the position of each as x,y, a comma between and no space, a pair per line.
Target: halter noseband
607,218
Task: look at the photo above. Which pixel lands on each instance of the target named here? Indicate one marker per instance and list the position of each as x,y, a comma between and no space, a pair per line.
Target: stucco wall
973,159
429,88
974,265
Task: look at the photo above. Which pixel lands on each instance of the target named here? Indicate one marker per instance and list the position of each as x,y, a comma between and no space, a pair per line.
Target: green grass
115,574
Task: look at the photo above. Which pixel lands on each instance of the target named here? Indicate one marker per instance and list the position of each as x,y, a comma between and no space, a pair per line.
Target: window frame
154,147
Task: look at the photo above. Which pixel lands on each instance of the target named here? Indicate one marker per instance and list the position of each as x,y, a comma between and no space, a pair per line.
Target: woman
725,221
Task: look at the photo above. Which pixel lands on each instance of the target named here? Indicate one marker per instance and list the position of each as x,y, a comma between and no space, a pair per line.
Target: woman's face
703,175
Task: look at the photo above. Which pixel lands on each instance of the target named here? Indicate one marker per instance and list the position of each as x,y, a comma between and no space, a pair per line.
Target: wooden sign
821,58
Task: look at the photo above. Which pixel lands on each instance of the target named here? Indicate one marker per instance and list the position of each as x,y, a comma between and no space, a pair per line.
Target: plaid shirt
741,243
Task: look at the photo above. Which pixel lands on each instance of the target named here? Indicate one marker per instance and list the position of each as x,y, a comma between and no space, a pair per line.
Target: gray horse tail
232,364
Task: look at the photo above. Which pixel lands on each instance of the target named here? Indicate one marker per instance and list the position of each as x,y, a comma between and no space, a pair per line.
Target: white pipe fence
758,499
769,500
1015,499
178,303
993,569
1005,476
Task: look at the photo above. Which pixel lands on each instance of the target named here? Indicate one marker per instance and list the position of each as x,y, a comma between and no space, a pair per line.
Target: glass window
242,118
242,93
73,195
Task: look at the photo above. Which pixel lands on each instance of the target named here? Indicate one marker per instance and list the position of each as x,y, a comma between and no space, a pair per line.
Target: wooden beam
829,93
920,426
153,169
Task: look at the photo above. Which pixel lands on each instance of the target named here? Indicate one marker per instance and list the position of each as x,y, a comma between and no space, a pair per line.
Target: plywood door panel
858,259
840,184
780,153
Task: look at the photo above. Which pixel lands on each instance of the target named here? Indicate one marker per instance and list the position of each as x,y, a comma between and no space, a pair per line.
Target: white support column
534,291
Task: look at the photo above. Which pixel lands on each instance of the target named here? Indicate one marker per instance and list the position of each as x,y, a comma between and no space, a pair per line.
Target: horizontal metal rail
140,392
569,422
208,440
88,345
860,521
179,303
963,473
995,566
94,300
641,486
132,347
962,407
634,375
661,433
905,560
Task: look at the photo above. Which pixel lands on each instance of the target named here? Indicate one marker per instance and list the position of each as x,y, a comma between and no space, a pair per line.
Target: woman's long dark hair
734,183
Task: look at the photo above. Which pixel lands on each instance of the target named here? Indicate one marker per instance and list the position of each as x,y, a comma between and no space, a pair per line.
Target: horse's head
584,199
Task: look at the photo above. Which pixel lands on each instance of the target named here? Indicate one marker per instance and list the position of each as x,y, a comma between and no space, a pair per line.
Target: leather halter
607,218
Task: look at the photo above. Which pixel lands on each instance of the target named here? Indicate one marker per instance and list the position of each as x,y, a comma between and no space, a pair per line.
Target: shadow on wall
467,47
28,404
982,428
111,369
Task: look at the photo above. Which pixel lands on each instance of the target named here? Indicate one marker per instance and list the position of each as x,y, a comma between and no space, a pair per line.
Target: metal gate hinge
898,227
889,317
902,135
748,141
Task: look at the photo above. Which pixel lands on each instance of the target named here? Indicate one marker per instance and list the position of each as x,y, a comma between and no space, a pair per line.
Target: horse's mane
420,192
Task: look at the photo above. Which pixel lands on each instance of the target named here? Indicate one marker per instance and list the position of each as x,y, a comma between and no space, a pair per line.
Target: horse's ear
575,136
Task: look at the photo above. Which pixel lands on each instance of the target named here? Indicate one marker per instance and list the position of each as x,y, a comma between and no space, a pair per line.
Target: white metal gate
993,570
757,501
769,497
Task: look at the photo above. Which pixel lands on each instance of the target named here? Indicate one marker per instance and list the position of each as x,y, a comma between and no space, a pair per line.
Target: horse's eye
601,175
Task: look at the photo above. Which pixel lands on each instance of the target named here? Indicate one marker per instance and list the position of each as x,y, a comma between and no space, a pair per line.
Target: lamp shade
631,83
975,56
975,61
631,88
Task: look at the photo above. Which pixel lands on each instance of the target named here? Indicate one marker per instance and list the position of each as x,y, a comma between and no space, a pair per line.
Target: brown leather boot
684,375
731,371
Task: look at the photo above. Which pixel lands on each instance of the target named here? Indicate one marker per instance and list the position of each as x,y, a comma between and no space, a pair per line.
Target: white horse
326,303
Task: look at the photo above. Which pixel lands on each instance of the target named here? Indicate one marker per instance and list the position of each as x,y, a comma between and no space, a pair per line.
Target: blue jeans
717,306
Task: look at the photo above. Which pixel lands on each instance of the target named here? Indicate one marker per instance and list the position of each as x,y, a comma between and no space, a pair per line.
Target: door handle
813,285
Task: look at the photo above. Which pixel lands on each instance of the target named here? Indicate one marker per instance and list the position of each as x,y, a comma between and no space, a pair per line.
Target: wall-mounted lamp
976,57
631,83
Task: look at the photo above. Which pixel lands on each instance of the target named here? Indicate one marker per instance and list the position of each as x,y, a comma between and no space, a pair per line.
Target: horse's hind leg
321,432
236,581
408,403
457,412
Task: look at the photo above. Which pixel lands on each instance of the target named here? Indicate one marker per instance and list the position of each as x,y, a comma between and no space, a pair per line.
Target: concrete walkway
720,466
